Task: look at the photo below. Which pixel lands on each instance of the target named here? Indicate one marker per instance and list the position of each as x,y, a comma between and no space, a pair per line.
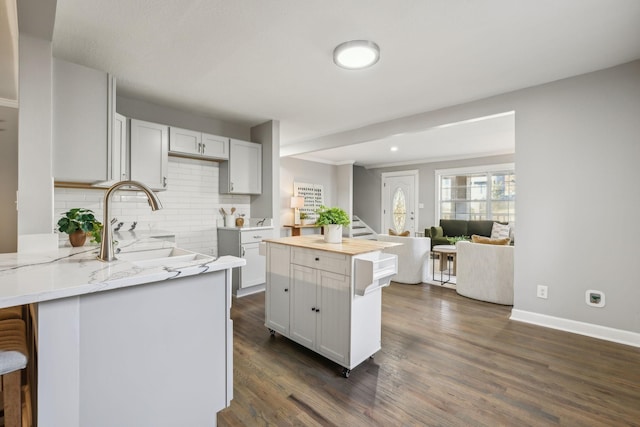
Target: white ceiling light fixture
356,54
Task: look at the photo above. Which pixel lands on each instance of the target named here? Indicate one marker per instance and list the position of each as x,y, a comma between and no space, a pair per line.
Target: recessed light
356,54
394,148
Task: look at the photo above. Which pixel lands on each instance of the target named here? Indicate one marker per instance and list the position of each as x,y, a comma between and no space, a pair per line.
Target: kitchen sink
162,257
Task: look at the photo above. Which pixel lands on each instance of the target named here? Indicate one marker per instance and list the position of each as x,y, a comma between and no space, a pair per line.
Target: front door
399,194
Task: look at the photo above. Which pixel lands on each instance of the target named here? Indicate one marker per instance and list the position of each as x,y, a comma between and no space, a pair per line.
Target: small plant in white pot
332,219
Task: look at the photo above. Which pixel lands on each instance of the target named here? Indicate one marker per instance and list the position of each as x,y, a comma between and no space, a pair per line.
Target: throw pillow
499,231
436,232
489,241
392,232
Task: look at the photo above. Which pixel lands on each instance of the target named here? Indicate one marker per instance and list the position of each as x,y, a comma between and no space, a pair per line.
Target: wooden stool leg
12,402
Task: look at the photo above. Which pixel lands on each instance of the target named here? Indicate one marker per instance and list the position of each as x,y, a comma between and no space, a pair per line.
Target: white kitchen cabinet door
149,153
119,149
320,311
333,314
303,305
83,108
190,143
277,289
214,146
254,272
184,141
242,174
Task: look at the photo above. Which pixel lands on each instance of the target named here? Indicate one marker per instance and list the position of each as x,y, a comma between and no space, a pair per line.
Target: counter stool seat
11,313
13,359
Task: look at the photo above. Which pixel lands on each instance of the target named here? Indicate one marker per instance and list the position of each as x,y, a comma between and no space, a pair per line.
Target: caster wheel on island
272,332
346,372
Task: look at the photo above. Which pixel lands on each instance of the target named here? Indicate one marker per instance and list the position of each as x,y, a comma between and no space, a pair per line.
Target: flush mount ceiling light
356,54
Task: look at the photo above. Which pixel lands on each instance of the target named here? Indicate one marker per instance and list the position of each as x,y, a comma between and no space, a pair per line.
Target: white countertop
248,228
34,277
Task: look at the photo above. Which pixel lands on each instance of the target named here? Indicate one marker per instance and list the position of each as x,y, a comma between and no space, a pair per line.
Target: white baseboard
595,331
250,290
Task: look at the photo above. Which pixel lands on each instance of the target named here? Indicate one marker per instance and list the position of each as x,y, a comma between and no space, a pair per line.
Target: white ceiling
254,60
486,136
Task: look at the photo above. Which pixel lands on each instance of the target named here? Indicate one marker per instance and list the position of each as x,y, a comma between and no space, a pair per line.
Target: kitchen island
327,296
141,341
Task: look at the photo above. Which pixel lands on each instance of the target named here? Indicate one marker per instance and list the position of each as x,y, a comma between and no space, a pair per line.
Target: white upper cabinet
120,149
149,148
197,144
83,113
242,174
215,146
184,141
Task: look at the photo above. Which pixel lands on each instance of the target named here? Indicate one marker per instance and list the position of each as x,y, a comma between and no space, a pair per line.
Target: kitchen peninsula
143,340
327,296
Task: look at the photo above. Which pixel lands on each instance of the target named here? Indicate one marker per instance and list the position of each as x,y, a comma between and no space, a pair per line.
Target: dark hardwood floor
446,360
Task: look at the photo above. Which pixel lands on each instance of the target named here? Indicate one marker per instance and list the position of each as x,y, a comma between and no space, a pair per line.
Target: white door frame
416,203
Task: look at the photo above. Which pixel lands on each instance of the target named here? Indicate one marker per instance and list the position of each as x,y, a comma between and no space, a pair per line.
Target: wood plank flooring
446,360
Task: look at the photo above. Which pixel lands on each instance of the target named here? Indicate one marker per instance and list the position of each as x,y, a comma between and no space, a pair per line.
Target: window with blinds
477,194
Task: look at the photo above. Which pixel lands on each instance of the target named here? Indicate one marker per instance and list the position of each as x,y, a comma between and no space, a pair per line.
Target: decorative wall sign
313,197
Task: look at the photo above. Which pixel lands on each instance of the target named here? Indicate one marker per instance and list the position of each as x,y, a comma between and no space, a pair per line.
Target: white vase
333,233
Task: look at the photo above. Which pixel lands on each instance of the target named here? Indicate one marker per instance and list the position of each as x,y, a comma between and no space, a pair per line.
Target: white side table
445,253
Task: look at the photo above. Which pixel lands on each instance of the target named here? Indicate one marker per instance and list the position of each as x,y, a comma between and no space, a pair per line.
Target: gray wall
8,180
143,110
576,161
577,153
35,199
265,204
367,199
367,191
344,192
295,170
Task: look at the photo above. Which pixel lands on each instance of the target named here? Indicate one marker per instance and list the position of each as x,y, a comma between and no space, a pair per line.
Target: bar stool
11,313
13,359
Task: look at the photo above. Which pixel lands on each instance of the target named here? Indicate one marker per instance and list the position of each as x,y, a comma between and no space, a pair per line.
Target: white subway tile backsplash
191,205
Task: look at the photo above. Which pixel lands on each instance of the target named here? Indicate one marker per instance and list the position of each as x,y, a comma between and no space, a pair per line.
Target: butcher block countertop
347,247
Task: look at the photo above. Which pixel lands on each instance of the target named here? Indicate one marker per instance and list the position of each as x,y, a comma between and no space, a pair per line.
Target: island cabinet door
277,288
333,318
303,305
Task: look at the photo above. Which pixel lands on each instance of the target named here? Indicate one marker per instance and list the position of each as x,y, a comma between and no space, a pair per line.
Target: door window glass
399,210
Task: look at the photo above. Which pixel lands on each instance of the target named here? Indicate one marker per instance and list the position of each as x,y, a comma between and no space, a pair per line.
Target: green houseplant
79,223
332,219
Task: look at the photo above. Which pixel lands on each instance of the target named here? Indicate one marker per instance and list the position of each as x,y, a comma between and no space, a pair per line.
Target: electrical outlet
542,291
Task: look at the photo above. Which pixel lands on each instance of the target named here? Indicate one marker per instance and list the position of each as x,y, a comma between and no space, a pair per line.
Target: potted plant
79,223
332,219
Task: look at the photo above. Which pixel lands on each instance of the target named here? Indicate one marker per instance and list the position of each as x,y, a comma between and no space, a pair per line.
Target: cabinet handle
199,147
317,259
286,289
313,309
317,310
203,147
231,186
257,237
164,181
243,252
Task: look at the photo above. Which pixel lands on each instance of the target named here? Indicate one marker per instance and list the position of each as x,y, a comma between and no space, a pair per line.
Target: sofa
459,227
485,272
413,258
